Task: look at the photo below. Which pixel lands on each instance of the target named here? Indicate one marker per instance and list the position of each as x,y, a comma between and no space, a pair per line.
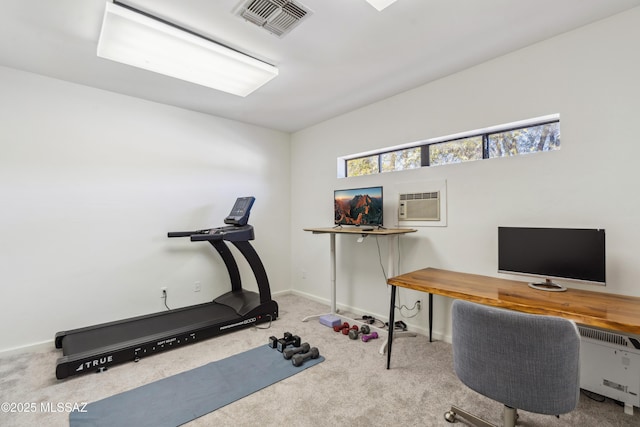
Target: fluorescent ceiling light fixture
380,4
136,39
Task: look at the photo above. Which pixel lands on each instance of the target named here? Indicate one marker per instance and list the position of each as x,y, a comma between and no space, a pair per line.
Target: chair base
509,417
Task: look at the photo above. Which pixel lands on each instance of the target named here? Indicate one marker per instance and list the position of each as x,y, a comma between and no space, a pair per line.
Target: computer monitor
553,253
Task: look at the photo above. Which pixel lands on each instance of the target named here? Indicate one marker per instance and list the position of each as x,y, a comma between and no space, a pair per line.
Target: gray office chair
524,361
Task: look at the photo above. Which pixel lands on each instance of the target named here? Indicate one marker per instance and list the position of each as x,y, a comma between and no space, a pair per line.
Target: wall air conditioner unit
610,366
419,207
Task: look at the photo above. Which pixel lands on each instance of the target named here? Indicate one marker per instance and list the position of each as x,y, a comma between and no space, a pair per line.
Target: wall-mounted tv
553,253
358,206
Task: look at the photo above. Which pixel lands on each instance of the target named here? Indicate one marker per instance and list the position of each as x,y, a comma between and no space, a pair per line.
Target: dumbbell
288,353
287,340
346,331
372,336
364,329
293,340
300,358
339,328
273,341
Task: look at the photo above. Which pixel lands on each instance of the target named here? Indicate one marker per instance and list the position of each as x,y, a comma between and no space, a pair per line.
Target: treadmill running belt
144,327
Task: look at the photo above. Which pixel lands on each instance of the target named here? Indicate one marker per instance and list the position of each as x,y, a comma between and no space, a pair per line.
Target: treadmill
95,348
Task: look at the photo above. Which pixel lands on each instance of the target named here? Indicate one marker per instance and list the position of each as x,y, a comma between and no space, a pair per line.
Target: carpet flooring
350,388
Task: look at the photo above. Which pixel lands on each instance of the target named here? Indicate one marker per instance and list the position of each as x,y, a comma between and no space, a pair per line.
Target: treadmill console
239,214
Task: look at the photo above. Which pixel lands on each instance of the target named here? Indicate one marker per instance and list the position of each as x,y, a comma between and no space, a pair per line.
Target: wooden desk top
359,230
608,311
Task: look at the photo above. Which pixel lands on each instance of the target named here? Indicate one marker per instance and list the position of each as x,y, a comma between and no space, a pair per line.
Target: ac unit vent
419,206
604,336
420,196
278,17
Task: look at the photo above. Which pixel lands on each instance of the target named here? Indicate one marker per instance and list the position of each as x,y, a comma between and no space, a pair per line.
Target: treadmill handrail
207,237
187,233
231,233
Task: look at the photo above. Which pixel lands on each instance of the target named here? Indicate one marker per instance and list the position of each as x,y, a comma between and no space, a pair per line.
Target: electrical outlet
163,292
197,287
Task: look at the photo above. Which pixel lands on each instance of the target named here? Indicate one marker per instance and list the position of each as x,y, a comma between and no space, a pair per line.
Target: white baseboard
39,347
281,293
418,329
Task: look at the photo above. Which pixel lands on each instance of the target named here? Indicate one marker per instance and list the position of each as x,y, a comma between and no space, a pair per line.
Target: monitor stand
547,285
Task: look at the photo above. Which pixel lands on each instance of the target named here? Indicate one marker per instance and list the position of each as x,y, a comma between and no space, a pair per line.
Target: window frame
425,145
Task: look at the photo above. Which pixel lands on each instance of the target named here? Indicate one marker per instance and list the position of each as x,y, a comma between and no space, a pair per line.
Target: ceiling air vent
276,16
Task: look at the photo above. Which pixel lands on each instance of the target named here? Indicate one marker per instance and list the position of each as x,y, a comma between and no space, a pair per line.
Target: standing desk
391,233
608,311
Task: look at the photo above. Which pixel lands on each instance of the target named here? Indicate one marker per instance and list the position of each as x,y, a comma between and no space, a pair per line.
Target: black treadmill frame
250,309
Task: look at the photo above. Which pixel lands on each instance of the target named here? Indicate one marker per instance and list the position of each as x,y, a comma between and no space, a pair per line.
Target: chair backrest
525,361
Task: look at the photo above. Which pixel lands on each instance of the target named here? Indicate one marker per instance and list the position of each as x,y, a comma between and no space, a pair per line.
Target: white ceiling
344,56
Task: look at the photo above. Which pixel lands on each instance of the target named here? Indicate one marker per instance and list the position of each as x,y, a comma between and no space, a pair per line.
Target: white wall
90,184
588,76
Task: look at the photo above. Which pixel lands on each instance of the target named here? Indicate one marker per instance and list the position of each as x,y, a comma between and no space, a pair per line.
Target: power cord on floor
399,325
370,320
593,396
267,327
598,397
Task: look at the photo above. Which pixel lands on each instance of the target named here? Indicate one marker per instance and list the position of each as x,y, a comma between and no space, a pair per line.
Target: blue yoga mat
178,399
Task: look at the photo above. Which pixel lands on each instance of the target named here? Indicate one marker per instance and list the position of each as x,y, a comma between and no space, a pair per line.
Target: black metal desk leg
392,309
430,315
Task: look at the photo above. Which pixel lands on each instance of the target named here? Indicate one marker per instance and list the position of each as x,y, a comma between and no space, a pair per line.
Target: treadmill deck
115,333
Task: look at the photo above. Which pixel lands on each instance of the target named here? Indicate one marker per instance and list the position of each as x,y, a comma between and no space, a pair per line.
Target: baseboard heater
610,366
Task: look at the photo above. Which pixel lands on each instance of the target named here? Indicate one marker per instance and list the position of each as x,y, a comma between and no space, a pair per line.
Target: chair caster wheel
450,416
